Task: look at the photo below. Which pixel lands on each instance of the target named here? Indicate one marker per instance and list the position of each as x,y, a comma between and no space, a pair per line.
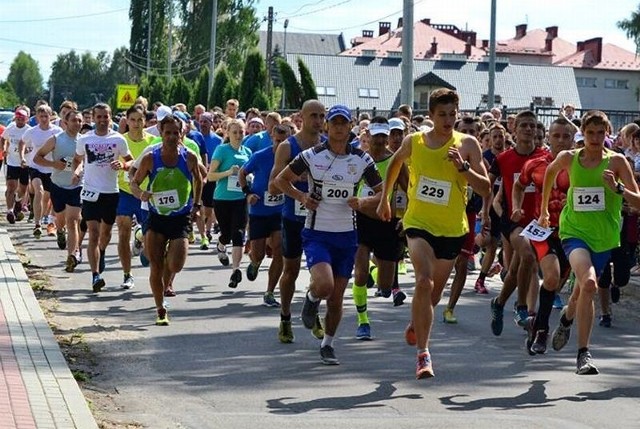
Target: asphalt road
220,365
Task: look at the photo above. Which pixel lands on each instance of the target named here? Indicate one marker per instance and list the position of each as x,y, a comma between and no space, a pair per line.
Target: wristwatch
620,188
465,167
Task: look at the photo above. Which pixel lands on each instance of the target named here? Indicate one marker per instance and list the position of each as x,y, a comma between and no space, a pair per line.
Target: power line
49,46
318,10
61,18
305,5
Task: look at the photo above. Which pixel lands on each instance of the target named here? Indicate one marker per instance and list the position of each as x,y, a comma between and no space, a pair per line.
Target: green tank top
383,166
593,212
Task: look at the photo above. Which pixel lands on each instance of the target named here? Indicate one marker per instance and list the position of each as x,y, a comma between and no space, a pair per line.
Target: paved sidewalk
37,389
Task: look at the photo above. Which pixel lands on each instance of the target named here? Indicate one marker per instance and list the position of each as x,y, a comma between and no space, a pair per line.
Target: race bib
144,205
166,199
68,163
535,232
91,196
401,200
530,187
433,191
367,191
335,192
232,184
588,199
300,209
273,200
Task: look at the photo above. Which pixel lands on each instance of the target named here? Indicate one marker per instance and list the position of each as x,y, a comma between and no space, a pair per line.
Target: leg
580,260
276,267
93,251
155,245
124,239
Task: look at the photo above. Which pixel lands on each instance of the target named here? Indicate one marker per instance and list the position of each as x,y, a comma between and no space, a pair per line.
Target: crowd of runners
356,196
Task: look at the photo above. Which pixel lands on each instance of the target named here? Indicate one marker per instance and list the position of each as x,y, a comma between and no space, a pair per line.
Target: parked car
6,116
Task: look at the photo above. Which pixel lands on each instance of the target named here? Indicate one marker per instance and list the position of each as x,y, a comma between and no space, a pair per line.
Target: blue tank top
170,186
290,205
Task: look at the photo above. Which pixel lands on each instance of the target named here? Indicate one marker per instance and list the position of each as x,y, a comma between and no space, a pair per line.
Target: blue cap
181,115
339,110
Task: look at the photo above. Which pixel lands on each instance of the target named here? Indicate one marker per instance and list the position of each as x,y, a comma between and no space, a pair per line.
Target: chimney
400,22
426,21
383,28
552,32
595,46
434,47
580,46
467,47
485,44
521,31
367,33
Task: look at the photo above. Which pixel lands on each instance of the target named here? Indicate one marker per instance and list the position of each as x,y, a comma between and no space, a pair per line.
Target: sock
312,297
482,275
423,351
565,322
360,300
286,318
582,350
327,341
544,309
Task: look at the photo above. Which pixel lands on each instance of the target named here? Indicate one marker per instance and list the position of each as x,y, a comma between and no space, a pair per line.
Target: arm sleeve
299,164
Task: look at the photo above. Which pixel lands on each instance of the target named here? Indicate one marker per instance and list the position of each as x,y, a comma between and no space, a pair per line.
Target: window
329,91
368,93
586,82
321,90
616,83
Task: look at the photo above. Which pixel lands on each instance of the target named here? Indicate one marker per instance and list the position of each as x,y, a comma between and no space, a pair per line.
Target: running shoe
539,345
71,264
497,315
137,241
448,316
363,332
557,302
11,217
496,268
410,335
252,271
424,368
127,283
480,287
585,364
398,296
605,321
328,356
169,292
97,283
192,237
31,215
78,256
268,300
216,228
531,336
377,293
318,330
309,312
204,244
521,318
561,334
19,215
61,239
285,332
235,279
37,231
101,262
144,261
209,236
162,318
615,294
222,254
51,229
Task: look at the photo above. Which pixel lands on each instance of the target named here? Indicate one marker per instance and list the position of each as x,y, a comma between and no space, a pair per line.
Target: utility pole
406,90
269,46
286,24
149,38
212,47
170,43
492,57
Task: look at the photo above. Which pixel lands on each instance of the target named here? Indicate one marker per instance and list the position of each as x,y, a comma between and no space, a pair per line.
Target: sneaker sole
424,374
97,287
364,338
330,362
589,371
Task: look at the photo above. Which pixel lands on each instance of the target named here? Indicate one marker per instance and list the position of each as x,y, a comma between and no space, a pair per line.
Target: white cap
162,112
377,128
396,124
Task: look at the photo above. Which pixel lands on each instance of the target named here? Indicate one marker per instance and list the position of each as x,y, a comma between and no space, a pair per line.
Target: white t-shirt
34,138
13,134
99,152
153,130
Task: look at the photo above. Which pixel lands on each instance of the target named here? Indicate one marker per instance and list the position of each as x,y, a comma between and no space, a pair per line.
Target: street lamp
286,24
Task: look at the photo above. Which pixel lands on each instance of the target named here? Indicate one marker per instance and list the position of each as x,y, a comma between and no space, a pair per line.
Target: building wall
536,60
605,98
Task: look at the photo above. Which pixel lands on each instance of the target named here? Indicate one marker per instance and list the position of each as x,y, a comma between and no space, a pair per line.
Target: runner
329,237
265,214
175,182
128,205
589,224
100,152
65,185
442,163
293,213
17,174
211,142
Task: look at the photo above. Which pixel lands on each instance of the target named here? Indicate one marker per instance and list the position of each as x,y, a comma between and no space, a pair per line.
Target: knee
589,287
551,282
323,288
424,284
528,259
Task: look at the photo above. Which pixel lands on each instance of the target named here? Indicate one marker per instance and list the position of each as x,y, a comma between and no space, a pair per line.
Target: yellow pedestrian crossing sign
126,96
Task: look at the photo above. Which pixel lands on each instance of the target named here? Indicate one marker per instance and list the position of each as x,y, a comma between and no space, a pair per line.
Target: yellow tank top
437,192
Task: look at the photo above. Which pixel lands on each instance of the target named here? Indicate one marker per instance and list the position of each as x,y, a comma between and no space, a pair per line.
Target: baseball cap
181,115
377,128
339,110
207,117
163,112
396,124
22,112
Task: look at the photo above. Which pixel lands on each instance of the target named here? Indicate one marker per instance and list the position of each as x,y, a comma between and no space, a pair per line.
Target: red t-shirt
533,173
509,165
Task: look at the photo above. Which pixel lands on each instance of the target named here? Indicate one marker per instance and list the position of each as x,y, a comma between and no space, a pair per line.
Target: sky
46,28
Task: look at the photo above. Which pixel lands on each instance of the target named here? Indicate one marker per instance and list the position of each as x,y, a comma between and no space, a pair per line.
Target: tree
261,101
290,85
139,15
25,78
254,78
221,79
179,92
8,97
82,78
631,27
306,82
200,93
154,88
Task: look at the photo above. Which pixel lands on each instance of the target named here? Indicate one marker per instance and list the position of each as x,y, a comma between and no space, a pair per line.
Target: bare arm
282,157
284,182
395,165
562,161
141,174
196,181
476,174
39,157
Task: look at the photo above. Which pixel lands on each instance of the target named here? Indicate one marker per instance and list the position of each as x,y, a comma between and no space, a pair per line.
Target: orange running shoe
424,369
51,230
410,335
